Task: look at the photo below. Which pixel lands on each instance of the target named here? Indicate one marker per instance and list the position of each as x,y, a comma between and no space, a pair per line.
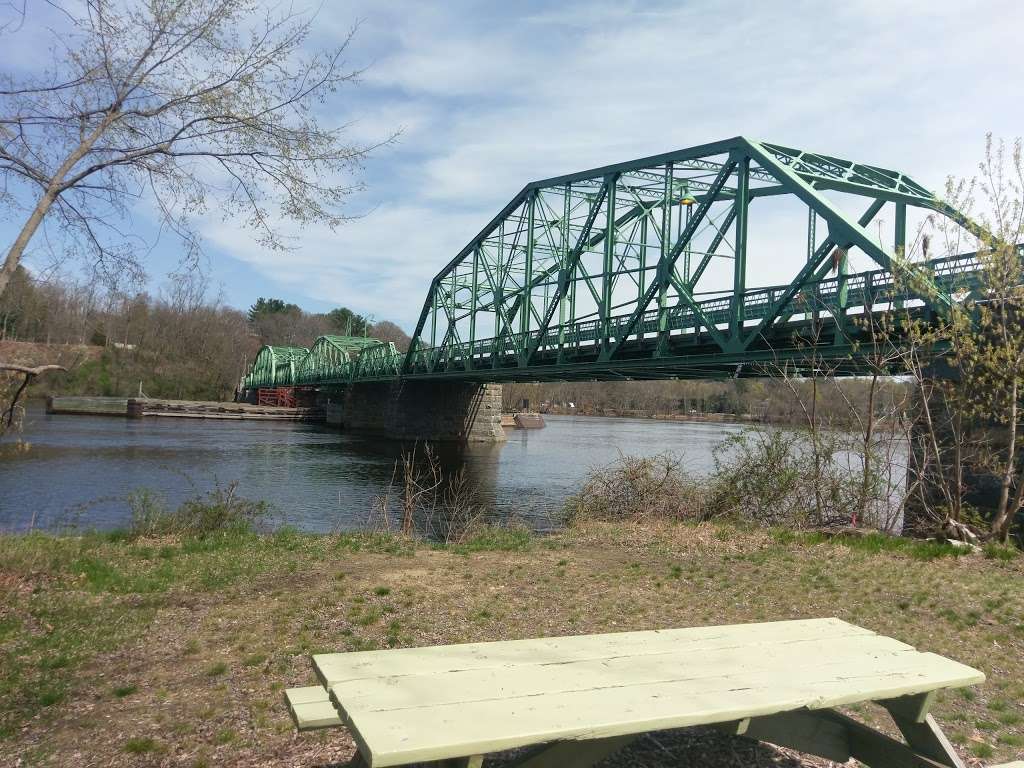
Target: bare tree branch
198,106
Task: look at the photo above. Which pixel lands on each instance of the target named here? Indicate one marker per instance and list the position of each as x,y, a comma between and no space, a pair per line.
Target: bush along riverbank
170,643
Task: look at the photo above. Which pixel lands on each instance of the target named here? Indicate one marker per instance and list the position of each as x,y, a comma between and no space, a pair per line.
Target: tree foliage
346,322
265,307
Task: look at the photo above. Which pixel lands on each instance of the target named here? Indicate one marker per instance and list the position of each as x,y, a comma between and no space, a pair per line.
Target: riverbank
170,651
623,413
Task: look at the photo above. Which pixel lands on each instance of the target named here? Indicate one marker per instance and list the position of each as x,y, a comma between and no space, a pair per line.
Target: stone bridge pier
444,411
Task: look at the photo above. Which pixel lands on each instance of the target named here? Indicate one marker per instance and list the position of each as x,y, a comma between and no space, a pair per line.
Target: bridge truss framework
599,274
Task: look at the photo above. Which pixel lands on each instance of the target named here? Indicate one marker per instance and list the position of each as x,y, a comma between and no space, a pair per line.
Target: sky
490,96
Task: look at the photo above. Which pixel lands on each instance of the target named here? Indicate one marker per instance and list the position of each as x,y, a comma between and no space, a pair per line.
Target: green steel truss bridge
639,270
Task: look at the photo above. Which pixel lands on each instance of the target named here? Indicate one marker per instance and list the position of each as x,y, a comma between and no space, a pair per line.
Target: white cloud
380,264
491,98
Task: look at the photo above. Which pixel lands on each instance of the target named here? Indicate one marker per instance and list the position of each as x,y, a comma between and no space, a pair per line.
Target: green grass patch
494,538
1005,552
982,750
871,543
140,745
216,669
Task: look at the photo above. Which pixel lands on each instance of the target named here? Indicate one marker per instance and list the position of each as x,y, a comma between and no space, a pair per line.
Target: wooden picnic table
579,699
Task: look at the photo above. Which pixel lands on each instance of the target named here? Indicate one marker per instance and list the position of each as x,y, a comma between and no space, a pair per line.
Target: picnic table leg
910,713
834,736
474,761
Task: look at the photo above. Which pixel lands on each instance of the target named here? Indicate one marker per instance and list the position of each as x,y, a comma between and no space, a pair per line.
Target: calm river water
79,470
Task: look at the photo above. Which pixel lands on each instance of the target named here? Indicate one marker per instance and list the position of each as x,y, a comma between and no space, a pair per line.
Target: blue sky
492,95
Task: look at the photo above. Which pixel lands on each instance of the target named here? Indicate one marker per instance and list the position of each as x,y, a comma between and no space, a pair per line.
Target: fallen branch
7,417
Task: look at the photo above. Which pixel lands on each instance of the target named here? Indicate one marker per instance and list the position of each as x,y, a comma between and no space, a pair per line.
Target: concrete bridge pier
441,411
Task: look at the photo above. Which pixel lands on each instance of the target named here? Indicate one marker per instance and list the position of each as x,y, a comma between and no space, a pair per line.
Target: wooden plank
464,686
340,667
311,708
398,736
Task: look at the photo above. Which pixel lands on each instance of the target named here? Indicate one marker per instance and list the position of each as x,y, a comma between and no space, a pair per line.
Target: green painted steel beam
594,274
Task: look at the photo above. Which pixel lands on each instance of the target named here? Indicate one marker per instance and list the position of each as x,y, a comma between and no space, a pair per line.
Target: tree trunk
1004,512
53,189
29,229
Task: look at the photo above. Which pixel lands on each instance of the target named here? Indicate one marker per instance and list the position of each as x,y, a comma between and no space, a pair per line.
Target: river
78,471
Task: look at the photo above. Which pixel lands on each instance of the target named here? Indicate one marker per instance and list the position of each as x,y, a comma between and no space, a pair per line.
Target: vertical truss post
433,317
525,306
739,280
812,238
498,342
666,229
608,267
900,235
687,253
499,294
472,307
642,274
900,238
453,302
563,263
842,295
573,286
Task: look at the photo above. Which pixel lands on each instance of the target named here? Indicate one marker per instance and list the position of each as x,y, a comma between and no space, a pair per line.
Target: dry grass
186,652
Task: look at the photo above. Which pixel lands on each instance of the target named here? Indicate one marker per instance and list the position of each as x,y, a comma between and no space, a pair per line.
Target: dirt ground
186,667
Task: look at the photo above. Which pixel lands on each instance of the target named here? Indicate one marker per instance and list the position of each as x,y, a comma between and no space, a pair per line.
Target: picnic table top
418,704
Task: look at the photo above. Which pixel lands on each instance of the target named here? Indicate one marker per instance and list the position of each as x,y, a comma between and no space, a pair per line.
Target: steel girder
602,274
611,260
274,367
331,360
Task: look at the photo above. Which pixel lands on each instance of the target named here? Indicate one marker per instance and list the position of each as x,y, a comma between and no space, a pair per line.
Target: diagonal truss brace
566,274
667,265
806,274
841,229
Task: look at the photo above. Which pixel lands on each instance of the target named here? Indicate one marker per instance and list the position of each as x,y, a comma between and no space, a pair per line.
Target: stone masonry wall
424,410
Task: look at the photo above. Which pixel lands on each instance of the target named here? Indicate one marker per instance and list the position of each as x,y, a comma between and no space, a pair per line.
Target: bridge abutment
445,411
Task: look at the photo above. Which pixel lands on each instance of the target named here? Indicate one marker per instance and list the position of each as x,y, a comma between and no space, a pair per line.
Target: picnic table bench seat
578,699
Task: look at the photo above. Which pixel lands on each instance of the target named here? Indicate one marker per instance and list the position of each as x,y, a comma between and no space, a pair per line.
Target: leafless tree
28,373
198,106
386,331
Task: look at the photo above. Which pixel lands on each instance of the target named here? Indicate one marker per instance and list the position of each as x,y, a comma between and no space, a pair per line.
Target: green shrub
638,488
219,511
774,477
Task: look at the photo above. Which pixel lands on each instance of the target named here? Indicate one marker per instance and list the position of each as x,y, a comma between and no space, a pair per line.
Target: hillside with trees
181,342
